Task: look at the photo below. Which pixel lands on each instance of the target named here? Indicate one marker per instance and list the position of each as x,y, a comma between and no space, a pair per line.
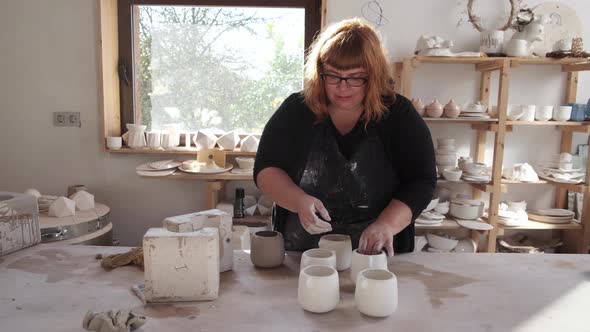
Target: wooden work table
50,287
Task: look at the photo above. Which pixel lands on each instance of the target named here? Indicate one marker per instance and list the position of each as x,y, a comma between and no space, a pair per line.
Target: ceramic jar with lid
452,110
434,109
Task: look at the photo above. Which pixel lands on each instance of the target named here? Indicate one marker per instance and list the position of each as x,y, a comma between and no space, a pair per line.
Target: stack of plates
430,218
44,201
551,171
157,168
512,218
552,216
481,178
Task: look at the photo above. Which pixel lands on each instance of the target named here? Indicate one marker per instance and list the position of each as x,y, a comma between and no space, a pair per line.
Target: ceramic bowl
562,113
465,246
544,113
245,162
514,112
475,168
462,211
442,207
453,174
441,242
431,205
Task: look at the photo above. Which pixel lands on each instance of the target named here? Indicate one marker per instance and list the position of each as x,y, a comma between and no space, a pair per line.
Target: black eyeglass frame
364,80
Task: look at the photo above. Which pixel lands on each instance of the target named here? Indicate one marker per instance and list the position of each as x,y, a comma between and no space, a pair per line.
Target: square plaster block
84,200
62,207
181,266
211,218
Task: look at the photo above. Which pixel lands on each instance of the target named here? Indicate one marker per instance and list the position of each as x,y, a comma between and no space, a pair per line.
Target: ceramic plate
428,221
431,215
164,164
478,224
207,171
155,173
147,168
554,212
550,220
242,171
550,178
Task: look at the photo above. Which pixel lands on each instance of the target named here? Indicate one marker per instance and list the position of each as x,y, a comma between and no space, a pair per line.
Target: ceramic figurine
437,46
521,43
418,105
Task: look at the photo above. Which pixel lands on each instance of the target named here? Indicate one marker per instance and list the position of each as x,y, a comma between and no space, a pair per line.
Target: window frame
127,21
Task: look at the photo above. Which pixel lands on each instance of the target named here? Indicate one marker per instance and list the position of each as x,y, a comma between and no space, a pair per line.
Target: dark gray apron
351,175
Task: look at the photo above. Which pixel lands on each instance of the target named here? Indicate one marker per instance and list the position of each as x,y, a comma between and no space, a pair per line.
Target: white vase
362,262
136,136
318,290
491,41
318,256
342,246
376,293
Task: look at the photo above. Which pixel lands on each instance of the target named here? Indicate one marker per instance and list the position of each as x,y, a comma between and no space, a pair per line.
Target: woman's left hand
376,237
379,235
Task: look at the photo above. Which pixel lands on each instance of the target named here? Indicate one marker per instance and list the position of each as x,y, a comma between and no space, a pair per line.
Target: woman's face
342,95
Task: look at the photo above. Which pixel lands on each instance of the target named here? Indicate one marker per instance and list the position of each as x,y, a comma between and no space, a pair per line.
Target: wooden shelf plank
180,175
549,123
453,60
446,224
568,186
514,61
531,224
575,67
459,120
185,151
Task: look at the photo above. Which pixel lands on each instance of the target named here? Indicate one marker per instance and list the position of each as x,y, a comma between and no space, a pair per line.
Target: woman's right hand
308,208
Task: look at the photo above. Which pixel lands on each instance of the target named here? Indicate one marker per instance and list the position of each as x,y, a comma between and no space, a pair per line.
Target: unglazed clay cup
362,262
342,245
317,256
114,142
267,249
319,288
376,293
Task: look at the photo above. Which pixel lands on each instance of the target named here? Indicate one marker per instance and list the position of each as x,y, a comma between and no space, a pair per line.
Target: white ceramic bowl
562,113
442,207
441,242
469,212
475,168
431,205
465,246
453,174
514,112
245,162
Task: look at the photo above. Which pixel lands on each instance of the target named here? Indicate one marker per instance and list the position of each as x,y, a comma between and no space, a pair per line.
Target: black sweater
287,136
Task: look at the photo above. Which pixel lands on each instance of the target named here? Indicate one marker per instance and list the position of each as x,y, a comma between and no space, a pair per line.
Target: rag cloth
112,321
134,256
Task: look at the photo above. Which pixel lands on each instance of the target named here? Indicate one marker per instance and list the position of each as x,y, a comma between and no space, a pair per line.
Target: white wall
49,62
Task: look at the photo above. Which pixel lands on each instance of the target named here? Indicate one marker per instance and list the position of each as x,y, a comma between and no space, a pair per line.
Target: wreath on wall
515,21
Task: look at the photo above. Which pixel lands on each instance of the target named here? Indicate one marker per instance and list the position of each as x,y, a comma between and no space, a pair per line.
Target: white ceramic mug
318,290
544,113
562,113
153,139
341,244
318,256
362,262
167,141
376,293
528,113
114,142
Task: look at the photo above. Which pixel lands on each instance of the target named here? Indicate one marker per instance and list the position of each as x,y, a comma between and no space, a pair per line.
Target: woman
347,155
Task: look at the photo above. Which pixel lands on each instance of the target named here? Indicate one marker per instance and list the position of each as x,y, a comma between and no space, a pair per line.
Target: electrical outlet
66,119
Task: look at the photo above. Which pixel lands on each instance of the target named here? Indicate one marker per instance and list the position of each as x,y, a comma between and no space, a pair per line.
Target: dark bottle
239,203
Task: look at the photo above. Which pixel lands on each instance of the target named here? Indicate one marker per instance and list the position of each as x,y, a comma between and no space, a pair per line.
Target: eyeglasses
351,81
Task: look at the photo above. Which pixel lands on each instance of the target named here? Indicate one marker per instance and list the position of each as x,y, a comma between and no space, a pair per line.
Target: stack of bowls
446,153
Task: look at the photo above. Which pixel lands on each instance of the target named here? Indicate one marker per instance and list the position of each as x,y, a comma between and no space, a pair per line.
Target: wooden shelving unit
445,225
576,236
178,150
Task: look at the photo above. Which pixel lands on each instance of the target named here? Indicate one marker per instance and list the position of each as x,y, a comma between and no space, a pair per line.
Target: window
224,64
